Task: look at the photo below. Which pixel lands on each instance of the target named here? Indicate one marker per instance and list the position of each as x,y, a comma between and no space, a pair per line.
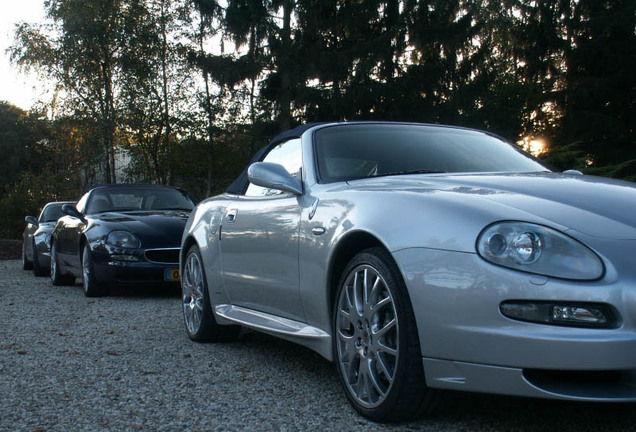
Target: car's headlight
123,239
538,249
47,240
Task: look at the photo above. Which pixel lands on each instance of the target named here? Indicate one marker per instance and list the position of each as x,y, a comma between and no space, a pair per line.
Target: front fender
204,228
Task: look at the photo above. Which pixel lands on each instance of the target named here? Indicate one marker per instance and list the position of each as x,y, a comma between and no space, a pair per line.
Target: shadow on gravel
458,411
474,411
263,344
144,291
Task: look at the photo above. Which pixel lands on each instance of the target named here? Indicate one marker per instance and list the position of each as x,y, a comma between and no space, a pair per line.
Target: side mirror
274,176
71,210
31,220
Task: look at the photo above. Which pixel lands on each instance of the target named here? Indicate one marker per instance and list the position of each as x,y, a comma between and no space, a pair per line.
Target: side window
289,155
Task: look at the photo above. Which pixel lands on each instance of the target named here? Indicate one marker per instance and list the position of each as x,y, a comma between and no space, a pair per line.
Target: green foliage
601,91
572,156
190,163
27,197
14,142
42,163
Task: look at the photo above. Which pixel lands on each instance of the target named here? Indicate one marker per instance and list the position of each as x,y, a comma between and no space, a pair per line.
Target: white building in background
123,159
95,174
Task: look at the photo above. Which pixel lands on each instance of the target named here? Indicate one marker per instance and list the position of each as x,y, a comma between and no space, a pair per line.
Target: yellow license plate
171,275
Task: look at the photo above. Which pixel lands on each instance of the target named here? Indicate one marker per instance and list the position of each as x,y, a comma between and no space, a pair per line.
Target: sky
18,88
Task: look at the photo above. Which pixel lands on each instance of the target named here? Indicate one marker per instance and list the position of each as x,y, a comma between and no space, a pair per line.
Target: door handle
231,216
318,231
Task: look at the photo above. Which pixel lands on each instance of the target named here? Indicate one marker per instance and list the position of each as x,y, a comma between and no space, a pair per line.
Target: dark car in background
36,239
124,234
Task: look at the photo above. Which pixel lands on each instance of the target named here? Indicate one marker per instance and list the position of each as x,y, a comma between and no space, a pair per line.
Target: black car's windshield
122,199
52,212
348,152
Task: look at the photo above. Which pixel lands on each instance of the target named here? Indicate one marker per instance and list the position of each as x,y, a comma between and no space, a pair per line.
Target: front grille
164,256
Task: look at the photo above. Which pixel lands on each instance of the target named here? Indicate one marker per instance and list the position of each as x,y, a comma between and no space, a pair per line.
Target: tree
16,139
42,164
156,89
600,110
82,54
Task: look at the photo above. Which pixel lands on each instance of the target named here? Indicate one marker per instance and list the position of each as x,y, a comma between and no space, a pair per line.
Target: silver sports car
422,257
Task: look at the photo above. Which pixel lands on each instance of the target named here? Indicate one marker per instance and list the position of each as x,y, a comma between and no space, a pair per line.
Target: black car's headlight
538,249
123,239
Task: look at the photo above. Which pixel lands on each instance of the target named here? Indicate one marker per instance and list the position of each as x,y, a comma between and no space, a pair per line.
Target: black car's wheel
26,264
92,288
197,310
376,343
38,270
57,278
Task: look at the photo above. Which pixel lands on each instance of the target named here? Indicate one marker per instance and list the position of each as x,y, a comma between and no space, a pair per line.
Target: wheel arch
185,246
345,250
82,242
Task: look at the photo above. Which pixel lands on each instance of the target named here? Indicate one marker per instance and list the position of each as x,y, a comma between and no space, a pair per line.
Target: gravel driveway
124,363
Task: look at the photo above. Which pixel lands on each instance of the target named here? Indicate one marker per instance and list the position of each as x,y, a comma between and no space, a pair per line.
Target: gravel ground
124,363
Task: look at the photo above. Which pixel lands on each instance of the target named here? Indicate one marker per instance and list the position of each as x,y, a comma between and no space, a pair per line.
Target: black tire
92,288
200,323
381,371
57,278
38,270
26,264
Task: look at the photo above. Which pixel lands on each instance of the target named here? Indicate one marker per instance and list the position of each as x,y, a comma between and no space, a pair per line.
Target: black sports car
120,235
36,239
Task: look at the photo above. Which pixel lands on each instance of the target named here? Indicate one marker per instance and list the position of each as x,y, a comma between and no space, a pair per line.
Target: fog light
573,315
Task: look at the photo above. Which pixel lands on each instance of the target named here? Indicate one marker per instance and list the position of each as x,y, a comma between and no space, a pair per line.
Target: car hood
154,228
595,206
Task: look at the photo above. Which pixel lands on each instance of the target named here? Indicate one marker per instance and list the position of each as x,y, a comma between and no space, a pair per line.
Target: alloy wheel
86,269
54,269
192,286
367,336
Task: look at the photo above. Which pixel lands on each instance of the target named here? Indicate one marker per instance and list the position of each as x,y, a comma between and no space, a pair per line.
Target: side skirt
295,331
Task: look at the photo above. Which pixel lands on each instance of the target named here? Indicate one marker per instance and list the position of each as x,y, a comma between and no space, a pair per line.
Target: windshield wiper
407,172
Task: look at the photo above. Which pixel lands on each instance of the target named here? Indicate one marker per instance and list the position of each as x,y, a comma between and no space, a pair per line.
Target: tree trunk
284,68
164,73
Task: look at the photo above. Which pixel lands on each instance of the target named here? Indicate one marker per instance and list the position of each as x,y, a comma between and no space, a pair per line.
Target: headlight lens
538,249
123,239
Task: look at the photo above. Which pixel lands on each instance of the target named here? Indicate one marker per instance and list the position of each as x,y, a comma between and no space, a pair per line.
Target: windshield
348,152
121,199
52,212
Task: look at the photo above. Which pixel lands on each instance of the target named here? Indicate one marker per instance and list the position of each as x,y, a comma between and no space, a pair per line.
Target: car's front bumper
600,386
115,271
42,243
468,344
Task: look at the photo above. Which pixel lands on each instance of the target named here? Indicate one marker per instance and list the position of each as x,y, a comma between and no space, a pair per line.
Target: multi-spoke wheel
38,270
26,263
91,287
197,310
376,343
57,277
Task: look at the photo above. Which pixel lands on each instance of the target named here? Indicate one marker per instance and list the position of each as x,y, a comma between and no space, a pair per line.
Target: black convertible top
239,186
